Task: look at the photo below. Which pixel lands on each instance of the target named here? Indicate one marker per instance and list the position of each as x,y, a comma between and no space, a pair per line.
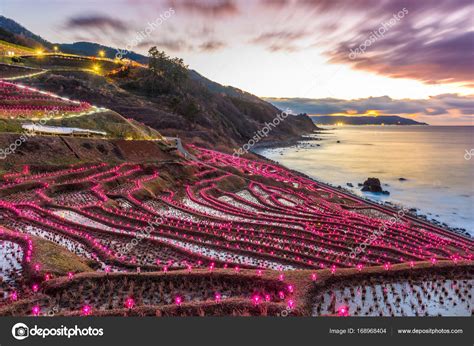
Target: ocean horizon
429,168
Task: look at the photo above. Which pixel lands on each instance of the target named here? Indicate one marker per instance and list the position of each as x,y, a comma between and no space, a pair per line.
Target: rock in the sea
402,179
349,184
373,185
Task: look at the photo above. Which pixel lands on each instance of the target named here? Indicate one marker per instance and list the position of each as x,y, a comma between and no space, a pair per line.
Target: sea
430,168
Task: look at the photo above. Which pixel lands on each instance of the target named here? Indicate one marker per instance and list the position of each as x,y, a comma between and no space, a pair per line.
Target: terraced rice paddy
377,296
20,101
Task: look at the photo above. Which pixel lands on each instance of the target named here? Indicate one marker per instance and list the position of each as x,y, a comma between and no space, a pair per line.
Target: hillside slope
196,108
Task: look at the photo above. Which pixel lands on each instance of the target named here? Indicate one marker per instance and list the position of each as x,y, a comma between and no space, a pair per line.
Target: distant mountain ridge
91,49
23,35
363,120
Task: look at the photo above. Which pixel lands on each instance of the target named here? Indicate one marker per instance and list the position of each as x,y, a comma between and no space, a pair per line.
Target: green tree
172,69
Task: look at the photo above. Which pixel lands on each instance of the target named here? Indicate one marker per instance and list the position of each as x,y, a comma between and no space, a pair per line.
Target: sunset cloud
279,40
432,49
212,45
298,48
212,8
384,105
95,21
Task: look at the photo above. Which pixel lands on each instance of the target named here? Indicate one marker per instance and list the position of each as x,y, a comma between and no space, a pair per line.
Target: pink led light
14,296
178,300
86,310
37,267
433,261
290,288
281,294
129,303
333,269
35,288
291,304
397,244
343,311
314,277
70,275
217,297
281,277
267,297
359,267
256,299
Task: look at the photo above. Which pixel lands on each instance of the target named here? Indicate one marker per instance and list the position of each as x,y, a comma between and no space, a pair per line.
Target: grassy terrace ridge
26,105
110,122
61,61
57,260
17,48
9,71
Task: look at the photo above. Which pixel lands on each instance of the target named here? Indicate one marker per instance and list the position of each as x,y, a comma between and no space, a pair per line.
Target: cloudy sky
410,58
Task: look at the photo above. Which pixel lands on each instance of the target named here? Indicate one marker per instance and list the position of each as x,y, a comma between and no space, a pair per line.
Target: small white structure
61,131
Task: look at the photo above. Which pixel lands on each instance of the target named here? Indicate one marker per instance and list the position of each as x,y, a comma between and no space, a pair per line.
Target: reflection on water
439,179
440,297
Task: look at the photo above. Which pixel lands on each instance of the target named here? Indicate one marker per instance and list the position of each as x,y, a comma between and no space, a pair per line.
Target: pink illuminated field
20,101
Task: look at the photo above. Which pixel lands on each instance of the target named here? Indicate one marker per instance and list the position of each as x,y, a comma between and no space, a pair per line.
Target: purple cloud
212,45
95,21
430,42
384,105
282,40
206,8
